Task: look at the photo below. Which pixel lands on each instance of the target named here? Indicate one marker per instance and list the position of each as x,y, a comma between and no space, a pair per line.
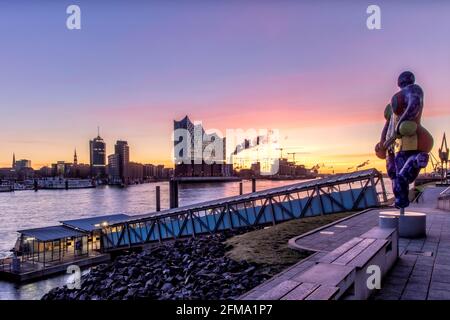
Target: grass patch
270,246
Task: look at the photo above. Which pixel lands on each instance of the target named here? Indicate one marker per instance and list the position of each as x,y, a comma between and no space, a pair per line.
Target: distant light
97,225
30,239
105,223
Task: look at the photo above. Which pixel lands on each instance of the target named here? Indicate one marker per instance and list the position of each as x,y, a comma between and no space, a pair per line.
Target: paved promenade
422,271
423,267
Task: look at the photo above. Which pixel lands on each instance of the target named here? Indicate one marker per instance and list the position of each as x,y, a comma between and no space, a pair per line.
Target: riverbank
206,268
184,269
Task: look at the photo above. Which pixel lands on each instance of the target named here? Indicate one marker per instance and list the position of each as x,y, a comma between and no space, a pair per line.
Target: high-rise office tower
97,148
122,150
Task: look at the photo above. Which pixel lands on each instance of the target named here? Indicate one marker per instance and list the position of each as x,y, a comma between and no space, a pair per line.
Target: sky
311,69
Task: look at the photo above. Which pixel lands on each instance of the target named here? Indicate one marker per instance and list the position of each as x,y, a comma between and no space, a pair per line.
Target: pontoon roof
51,233
92,223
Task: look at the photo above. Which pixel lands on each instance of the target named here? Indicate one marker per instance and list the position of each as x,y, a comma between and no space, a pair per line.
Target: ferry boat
61,184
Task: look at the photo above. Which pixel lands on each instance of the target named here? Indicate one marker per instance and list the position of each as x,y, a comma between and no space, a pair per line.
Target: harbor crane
293,155
287,148
434,163
444,156
281,152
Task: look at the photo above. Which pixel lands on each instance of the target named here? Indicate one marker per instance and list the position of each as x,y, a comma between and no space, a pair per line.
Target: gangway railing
338,193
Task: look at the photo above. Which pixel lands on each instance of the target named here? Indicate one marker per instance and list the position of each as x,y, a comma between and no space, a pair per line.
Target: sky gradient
312,70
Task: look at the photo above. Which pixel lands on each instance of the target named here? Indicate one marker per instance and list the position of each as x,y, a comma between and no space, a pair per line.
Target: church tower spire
14,161
75,158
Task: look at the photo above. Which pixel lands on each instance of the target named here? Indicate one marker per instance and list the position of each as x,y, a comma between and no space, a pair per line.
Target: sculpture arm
384,132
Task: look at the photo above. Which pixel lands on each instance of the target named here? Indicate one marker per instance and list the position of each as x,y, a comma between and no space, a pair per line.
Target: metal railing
338,193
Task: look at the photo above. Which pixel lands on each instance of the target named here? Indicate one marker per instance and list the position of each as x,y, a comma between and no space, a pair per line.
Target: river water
29,209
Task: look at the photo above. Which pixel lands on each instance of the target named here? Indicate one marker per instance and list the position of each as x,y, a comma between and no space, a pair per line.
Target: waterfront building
159,171
204,163
149,171
97,148
185,134
80,170
256,168
23,170
22,164
7,174
64,169
122,150
136,172
113,169
60,168
166,173
203,170
45,172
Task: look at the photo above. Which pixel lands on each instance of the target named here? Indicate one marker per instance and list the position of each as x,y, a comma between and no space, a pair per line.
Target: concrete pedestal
388,221
410,224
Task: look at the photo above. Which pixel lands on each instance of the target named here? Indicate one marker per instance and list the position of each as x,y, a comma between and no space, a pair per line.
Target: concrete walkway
421,272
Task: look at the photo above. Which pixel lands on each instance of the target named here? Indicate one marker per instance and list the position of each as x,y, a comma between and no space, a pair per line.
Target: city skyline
75,158
230,65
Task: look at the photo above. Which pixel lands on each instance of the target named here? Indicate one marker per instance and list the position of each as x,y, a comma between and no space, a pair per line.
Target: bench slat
301,292
362,259
378,233
336,253
323,293
352,253
325,274
280,290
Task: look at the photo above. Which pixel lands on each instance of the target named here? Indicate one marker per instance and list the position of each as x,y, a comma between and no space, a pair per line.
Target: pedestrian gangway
337,193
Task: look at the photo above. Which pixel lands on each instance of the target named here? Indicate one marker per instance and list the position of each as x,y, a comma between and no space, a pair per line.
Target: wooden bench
342,273
377,247
391,235
294,290
319,282
330,275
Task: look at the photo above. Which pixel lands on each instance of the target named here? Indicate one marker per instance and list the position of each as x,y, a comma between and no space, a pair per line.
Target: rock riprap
196,268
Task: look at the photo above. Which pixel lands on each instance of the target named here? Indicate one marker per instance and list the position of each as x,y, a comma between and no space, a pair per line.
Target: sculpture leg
408,166
390,165
400,185
391,170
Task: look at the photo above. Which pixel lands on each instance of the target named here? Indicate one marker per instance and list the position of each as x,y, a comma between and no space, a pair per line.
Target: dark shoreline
192,269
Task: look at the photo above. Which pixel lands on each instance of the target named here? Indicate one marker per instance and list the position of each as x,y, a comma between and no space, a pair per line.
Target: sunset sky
313,71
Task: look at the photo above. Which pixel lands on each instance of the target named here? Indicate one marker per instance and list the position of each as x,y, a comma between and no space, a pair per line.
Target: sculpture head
405,79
